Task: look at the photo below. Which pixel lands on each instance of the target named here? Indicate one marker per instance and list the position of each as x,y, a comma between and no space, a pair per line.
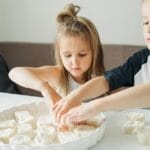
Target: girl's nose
149,28
75,62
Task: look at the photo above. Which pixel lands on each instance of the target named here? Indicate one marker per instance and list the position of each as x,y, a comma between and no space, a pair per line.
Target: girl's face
76,56
146,22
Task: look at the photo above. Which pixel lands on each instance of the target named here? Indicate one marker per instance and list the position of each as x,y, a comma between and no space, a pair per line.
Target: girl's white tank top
72,86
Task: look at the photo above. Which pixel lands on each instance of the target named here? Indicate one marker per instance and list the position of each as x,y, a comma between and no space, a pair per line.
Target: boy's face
146,22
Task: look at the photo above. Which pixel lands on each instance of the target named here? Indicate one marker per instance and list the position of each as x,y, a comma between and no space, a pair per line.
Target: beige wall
118,21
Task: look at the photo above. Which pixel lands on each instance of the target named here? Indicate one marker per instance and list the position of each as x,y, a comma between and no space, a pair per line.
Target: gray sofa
36,54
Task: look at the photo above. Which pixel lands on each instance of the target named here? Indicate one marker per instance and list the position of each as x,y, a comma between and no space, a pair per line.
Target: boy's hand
63,106
79,113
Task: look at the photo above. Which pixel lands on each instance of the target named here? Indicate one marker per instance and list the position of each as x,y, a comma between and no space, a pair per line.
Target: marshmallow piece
5,134
143,135
133,126
20,140
7,124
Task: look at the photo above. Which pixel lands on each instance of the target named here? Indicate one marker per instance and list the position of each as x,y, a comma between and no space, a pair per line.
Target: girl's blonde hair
145,1
69,24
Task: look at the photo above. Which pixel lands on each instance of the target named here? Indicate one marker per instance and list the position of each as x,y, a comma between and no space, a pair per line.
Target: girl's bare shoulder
50,72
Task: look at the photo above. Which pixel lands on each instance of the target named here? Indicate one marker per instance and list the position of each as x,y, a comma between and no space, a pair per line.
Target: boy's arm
93,88
134,97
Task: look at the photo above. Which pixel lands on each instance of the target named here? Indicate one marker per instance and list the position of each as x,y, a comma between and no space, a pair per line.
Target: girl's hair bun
69,13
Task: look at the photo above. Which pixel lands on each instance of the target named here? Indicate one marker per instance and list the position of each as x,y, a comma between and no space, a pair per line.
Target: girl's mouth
148,39
75,69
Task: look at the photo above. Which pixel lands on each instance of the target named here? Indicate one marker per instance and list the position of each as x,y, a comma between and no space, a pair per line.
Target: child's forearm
93,88
49,93
135,97
24,77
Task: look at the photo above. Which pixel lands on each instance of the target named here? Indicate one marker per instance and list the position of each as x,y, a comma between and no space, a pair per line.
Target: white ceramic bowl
41,109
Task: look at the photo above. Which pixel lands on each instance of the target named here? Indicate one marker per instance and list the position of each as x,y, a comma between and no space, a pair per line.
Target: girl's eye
67,55
82,55
146,22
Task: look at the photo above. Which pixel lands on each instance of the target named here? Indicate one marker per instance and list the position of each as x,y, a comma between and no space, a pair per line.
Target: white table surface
114,138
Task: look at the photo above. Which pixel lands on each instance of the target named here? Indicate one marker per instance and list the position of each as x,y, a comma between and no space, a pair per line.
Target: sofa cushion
39,54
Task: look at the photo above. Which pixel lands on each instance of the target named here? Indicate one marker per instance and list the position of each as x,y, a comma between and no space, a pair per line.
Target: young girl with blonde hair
79,58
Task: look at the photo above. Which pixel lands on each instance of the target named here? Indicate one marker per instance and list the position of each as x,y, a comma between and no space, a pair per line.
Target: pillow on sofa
6,85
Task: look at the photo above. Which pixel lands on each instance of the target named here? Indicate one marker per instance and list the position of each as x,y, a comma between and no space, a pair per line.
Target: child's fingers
63,125
57,109
61,111
56,105
75,115
75,119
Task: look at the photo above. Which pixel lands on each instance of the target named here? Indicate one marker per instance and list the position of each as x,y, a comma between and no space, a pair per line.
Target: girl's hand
79,113
63,106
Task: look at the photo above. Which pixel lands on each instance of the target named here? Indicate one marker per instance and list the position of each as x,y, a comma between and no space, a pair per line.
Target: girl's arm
134,97
49,93
35,78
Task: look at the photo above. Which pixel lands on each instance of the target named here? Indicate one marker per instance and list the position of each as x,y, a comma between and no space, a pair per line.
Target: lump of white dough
135,122
45,120
65,137
78,132
8,124
24,117
83,130
42,140
135,116
133,126
5,134
97,120
24,128
143,135
20,140
2,143
47,131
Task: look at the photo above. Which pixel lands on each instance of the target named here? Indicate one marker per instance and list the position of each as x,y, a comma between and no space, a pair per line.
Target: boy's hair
70,25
